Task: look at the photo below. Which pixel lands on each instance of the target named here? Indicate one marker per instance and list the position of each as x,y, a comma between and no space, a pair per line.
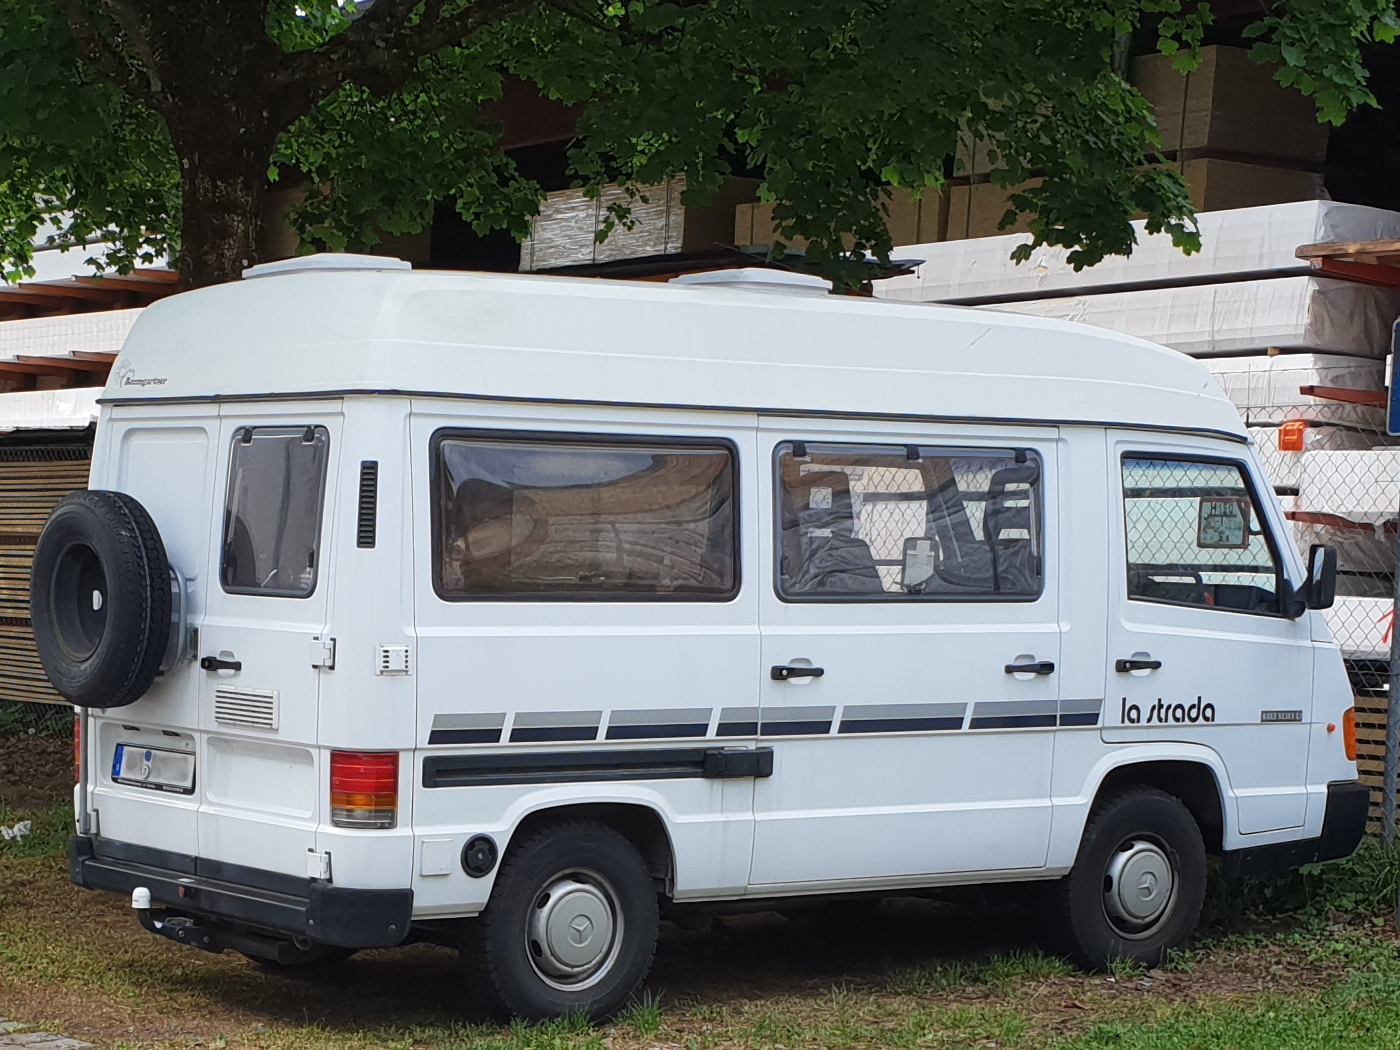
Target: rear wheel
1137,886
570,927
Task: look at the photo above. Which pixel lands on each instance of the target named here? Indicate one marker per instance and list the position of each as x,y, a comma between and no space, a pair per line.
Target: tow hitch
176,927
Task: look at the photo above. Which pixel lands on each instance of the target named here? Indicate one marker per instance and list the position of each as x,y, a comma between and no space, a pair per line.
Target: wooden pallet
1370,748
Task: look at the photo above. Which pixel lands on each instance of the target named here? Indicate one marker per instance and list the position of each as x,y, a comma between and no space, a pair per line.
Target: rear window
272,513
566,517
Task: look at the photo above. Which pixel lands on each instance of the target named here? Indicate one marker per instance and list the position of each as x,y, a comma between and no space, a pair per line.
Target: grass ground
1285,972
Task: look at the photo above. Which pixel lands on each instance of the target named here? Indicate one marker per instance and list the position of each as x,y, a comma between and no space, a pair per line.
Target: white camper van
510,612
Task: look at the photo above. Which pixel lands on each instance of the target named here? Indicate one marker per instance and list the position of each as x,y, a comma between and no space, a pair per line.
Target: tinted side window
571,518
1195,536
272,513
880,523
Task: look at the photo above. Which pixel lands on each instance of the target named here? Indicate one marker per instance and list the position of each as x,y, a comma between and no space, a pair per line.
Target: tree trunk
224,189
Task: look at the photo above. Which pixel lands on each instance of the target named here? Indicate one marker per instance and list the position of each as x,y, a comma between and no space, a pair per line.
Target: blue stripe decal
653,732
1012,722
796,728
535,734
899,725
1088,718
465,736
738,729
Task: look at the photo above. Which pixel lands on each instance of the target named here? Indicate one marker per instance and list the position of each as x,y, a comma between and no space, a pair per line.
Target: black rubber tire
100,653
493,947
1075,913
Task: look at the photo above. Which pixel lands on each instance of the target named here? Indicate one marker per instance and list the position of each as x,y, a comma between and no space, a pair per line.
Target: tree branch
382,45
99,53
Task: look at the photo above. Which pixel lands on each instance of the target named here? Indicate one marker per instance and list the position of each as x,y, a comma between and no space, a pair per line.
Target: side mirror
918,564
1321,588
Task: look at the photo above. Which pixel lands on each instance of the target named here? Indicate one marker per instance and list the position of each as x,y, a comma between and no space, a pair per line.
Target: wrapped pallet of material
566,230
1317,314
1283,460
1361,626
1267,388
1359,486
1244,242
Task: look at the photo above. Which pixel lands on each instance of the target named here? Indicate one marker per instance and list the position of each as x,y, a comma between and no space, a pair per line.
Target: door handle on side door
782,672
1125,666
1038,667
213,663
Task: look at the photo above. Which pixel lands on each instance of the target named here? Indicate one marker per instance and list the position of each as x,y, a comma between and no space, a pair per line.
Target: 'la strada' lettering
1163,713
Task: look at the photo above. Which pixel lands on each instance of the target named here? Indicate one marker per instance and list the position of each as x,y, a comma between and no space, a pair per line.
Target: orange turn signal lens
364,789
1291,435
1349,733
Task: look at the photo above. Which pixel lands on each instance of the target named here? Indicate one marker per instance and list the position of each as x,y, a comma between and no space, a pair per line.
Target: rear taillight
77,749
1349,733
364,789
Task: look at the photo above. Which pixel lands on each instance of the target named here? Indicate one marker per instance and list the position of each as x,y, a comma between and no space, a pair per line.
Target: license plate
154,768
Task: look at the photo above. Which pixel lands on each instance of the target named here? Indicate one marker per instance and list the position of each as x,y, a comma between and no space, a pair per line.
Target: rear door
164,456
262,646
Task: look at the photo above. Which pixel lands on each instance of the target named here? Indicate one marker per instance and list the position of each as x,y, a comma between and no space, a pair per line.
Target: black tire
586,869
1129,841
100,599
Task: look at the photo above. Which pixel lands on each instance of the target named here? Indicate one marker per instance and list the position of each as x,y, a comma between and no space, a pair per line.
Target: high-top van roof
318,331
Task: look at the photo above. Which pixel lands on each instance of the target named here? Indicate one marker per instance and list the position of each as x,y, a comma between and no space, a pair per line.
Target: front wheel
1136,888
570,928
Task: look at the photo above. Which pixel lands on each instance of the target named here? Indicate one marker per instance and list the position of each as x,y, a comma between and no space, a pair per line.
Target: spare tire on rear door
100,599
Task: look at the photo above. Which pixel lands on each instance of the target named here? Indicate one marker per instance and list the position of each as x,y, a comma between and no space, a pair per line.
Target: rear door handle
213,663
782,672
1124,666
1039,667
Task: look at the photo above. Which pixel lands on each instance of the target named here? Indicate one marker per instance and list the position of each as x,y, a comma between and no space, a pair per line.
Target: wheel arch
642,825
1192,779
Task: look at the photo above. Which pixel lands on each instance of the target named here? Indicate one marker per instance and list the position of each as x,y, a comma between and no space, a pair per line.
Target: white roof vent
758,279
325,262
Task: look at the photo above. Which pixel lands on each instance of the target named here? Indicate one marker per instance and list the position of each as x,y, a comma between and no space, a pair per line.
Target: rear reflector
364,789
1349,733
77,748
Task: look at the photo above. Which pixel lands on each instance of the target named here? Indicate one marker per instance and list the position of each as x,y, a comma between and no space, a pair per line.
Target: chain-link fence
1319,426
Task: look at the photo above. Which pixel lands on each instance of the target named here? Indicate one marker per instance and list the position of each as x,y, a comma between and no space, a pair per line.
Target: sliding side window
583,520
907,523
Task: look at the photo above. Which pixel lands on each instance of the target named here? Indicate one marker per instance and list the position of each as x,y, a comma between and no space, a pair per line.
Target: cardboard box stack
1266,328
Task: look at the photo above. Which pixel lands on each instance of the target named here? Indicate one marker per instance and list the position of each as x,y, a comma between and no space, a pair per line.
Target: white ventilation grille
254,708
392,659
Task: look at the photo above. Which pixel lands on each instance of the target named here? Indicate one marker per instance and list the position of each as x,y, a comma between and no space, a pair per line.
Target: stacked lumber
32,481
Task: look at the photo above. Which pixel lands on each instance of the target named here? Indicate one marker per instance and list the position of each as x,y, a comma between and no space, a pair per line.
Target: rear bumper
1343,825
263,900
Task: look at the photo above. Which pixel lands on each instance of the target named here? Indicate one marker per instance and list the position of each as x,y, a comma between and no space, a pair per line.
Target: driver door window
1195,536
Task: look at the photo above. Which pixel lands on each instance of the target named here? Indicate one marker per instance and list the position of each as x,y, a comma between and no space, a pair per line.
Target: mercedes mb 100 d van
510,612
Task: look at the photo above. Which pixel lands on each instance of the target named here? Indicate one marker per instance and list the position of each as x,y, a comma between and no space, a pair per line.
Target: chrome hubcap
1139,887
574,930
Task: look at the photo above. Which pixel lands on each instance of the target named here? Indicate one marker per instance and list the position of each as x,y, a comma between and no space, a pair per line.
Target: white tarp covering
1285,469
1243,241
1361,626
49,409
1360,486
101,332
1296,313
1267,388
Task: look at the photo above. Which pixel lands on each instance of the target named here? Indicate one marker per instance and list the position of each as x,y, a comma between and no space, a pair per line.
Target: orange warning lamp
1291,434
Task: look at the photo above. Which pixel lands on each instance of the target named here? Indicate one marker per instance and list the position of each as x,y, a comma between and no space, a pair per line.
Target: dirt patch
36,772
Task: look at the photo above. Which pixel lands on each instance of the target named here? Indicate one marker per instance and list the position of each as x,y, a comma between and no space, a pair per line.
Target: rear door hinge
323,653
